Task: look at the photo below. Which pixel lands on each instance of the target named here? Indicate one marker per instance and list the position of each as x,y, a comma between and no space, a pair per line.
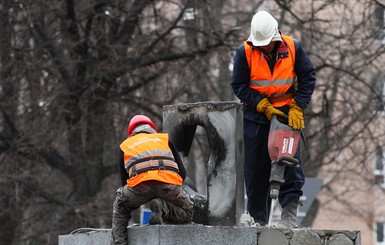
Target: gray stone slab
273,236
195,234
86,237
191,234
340,239
305,237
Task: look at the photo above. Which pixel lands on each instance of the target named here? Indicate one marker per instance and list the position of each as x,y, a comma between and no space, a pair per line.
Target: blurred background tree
72,74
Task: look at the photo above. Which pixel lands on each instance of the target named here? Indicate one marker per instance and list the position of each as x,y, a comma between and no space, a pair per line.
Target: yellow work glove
296,120
265,107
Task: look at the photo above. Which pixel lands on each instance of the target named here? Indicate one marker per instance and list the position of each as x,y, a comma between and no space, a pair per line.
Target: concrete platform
194,234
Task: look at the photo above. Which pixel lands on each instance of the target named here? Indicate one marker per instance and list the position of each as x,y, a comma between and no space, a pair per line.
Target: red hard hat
138,119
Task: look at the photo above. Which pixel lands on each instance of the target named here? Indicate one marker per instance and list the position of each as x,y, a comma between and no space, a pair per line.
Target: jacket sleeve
241,79
122,169
178,160
306,76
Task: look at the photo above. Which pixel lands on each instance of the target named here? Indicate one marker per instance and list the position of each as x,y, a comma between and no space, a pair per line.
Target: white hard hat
264,29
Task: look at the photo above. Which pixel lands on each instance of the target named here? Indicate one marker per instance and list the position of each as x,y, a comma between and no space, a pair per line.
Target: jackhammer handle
283,119
289,161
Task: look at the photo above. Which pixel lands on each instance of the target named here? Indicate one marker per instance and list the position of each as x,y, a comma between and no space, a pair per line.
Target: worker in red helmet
152,171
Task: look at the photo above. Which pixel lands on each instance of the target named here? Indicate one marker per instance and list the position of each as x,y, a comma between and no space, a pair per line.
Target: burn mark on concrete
224,173
183,133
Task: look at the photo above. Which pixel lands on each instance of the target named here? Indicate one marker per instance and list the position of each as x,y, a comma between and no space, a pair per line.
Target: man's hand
265,107
296,120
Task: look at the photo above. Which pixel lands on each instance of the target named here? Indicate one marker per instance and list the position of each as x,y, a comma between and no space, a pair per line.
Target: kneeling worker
155,174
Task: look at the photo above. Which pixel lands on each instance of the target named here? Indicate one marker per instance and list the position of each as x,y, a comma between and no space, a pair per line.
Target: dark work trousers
257,167
177,206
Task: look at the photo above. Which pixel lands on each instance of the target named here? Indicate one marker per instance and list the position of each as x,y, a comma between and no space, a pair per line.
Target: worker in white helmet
272,75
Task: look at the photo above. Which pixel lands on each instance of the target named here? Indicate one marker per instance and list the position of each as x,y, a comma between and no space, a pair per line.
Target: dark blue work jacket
306,80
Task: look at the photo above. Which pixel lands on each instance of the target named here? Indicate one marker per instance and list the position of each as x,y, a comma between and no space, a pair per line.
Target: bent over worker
155,174
272,75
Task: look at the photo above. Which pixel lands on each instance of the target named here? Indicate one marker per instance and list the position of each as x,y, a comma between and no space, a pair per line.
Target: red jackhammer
282,145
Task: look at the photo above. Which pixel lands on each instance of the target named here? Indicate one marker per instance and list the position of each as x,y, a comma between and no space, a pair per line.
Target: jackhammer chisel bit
277,179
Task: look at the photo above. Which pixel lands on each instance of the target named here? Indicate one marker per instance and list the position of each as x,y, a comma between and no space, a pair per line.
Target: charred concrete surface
193,234
223,122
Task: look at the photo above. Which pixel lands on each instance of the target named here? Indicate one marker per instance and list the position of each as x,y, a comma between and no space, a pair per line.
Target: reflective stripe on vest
144,145
152,164
283,79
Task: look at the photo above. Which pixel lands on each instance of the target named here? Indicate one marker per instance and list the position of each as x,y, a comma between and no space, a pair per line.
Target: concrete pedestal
223,123
193,234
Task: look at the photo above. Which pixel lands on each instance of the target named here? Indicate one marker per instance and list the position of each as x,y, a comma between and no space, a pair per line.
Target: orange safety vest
147,146
275,86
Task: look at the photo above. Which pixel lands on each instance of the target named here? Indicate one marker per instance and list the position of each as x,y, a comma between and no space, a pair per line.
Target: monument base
195,234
